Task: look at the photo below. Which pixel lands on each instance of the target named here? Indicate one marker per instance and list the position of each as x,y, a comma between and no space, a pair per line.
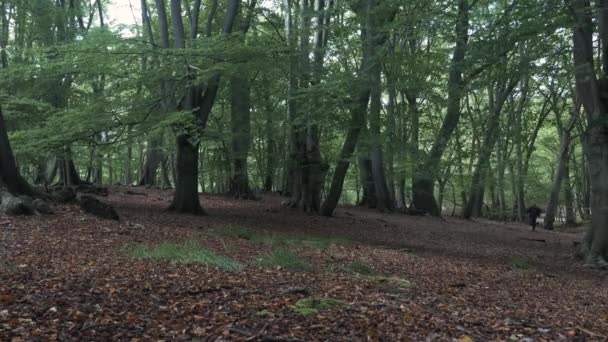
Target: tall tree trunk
568,195
372,40
293,179
425,174
271,150
240,120
519,168
187,178
154,156
200,103
357,121
129,160
558,178
368,197
590,92
497,100
240,123
68,174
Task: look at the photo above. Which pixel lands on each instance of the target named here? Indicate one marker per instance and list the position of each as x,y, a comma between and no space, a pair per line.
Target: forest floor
285,275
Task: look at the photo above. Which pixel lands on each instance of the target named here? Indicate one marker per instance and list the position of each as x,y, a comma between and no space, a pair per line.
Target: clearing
255,271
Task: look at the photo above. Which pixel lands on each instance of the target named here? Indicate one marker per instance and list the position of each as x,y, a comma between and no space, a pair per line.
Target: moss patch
312,306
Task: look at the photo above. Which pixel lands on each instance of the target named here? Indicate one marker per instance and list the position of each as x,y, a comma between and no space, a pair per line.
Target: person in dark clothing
533,213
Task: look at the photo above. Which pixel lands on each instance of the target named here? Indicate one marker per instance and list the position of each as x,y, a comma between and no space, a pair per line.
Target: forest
295,170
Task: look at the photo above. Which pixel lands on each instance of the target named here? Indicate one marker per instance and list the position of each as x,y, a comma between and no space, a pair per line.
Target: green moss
305,311
312,306
186,252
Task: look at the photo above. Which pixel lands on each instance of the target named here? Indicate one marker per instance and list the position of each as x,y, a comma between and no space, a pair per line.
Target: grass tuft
520,264
238,232
356,267
312,306
305,311
399,282
186,252
284,258
263,313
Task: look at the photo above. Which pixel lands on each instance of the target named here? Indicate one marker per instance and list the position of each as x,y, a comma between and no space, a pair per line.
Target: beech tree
590,85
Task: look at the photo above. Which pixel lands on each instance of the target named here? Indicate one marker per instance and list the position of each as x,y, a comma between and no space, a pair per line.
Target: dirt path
68,277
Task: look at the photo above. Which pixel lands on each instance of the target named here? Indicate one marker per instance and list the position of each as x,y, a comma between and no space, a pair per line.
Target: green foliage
312,306
186,252
286,259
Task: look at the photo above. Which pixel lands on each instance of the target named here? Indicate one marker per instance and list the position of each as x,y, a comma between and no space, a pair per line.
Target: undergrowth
284,258
312,306
239,232
185,252
520,264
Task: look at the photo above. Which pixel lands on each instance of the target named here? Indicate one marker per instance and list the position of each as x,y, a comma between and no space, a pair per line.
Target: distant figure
533,213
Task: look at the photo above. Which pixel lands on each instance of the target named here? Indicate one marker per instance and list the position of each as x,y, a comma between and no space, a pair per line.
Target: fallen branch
591,333
129,192
278,339
534,240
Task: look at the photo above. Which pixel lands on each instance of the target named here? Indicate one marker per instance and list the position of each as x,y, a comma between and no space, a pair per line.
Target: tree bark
240,121
12,184
497,99
356,124
200,103
425,174
154,157
185,199
558,178
595,246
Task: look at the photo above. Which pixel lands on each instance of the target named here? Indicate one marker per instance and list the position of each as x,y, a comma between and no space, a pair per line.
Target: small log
414,212
98,208
534,240
129,192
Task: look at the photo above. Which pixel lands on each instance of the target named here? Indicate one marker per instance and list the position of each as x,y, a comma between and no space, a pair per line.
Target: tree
12,184
590,90
423,187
